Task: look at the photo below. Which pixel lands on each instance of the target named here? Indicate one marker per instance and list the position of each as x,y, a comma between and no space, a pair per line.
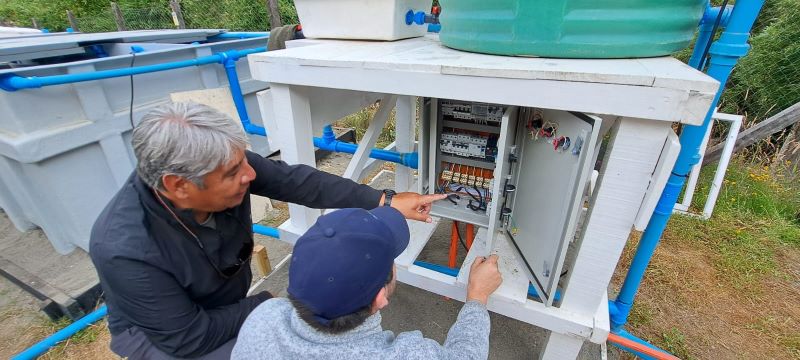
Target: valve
421,18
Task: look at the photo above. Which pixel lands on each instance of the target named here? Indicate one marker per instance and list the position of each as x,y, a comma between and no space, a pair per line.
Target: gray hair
188,139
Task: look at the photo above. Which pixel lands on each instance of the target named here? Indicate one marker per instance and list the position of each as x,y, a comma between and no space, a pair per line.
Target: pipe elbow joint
7,82
11,82
619,315
711,13
254,129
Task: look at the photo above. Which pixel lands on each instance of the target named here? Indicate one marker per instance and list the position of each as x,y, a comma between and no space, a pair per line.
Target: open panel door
549,194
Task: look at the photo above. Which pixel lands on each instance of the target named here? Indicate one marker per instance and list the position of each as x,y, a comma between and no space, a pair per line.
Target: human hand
415,206
484,279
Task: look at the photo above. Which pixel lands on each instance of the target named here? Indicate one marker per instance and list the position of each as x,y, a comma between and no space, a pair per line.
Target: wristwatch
387,200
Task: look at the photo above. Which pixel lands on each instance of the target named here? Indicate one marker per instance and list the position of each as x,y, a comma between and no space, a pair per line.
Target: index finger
493,258
427,199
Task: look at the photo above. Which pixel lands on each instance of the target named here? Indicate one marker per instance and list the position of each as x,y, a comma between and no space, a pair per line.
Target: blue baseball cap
341,263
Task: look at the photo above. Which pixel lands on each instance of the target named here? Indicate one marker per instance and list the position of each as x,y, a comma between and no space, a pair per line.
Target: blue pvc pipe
725,52
328,142
266,231
704,35
43,346
11,82
454,273
238,98
239,35
438,268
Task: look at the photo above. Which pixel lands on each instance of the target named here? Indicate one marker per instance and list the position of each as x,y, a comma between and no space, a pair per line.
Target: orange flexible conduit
630,344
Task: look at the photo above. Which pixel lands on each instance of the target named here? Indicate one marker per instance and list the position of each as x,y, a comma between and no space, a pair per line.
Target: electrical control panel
518,172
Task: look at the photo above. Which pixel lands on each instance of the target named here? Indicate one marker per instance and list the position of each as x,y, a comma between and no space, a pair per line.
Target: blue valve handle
415,17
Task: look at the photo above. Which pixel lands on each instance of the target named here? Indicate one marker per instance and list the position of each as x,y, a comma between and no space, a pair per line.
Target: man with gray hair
172,248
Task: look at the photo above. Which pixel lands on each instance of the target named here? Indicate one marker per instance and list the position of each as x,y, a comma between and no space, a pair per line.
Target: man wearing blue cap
342,273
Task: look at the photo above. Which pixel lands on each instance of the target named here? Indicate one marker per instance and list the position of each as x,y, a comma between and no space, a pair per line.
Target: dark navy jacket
155,276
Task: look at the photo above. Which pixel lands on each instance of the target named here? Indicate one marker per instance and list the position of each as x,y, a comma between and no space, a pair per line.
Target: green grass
641,314
675,342
756,215
86,336
360,120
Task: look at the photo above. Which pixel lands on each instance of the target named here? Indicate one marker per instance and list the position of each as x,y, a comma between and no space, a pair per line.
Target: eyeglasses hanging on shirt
245,253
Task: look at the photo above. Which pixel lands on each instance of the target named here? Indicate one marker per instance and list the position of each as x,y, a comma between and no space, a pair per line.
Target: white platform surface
661,88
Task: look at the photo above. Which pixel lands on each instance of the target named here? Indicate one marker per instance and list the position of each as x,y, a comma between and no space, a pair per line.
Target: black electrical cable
130,113
480,197
702,63
481,204
474,197
460,239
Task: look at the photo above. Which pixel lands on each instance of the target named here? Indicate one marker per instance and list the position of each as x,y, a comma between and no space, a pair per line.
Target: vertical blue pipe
238,97
725,52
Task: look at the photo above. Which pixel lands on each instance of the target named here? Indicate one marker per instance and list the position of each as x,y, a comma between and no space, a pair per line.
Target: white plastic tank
360,19
65,149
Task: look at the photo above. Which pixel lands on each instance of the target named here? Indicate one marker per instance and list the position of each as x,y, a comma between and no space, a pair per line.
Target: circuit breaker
518,172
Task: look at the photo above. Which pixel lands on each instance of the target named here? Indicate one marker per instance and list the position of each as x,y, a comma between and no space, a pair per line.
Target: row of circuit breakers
469,144
483,146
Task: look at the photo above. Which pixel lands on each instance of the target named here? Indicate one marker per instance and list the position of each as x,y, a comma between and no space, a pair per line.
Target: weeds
675,342
360,120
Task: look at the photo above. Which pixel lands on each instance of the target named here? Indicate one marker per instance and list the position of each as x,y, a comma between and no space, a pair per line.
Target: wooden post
177,14
73,23
274,14
262,260
35,23
118,17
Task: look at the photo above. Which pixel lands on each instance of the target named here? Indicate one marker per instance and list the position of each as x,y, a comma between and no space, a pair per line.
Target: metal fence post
177,14
274,14
118,16
73,23
35,23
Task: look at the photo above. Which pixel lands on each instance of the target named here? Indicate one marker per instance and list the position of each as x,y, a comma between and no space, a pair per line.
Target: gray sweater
275,331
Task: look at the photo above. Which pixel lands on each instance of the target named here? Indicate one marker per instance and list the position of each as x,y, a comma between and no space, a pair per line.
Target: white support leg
292,110
627,171
405,128
560,346
356,165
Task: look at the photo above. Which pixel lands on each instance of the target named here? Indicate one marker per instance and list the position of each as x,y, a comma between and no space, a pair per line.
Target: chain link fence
233,15
101,22
148,19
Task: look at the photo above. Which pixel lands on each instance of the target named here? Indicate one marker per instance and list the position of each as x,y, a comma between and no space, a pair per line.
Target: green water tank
570,28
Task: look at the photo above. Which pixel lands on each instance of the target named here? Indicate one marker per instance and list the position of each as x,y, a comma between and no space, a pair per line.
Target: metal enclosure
539,169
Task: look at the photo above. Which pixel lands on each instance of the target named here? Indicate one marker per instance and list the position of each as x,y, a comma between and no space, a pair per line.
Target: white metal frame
719,174
643,96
